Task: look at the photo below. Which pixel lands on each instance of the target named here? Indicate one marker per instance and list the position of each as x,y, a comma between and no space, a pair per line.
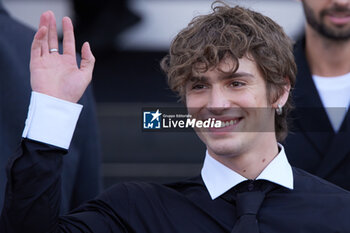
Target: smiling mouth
228,123
225,125
339,18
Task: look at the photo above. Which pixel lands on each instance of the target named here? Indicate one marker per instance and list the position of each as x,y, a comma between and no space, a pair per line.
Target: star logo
156,115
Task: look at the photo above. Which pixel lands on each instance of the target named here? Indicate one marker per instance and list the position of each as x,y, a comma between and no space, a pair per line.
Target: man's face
237,99
330,18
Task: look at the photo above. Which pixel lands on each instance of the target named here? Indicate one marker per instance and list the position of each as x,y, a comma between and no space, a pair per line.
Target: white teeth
227,123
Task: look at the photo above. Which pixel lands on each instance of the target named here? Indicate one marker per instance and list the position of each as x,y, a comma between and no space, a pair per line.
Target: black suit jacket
312,144
32,197
81,178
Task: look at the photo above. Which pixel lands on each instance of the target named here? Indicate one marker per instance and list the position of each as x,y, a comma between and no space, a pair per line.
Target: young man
235,65
319,143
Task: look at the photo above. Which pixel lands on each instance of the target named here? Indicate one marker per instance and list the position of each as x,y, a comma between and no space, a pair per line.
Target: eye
237,84
198,86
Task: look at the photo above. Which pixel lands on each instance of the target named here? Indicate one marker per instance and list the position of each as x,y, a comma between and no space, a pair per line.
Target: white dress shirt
218,178
51,120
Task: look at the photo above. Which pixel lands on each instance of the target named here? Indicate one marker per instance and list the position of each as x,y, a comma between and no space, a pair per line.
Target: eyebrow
225,76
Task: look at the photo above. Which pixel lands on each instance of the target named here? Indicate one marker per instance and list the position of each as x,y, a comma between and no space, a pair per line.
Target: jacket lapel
309,116
339,149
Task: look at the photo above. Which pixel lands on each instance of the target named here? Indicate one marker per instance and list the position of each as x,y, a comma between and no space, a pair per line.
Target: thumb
88,60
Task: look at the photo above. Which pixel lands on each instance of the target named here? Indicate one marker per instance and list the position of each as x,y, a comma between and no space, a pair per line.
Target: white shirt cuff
51,120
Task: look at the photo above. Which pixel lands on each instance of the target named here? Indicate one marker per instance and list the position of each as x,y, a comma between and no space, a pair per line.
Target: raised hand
57,74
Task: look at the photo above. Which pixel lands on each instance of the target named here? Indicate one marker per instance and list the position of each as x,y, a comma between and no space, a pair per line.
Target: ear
284,96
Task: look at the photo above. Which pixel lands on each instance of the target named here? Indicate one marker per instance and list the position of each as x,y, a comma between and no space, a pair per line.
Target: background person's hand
57,74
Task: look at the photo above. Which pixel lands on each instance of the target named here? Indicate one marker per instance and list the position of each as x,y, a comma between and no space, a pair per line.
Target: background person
81,179
320,143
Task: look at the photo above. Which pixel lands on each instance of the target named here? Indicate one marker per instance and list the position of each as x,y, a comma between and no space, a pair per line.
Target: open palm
57,74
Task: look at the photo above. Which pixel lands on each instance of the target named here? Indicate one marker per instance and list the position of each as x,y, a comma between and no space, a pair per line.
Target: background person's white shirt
335,96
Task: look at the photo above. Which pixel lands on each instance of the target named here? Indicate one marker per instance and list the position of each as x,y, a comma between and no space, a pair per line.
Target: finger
53,41
45,22
87,59
37,41
68,37
44,19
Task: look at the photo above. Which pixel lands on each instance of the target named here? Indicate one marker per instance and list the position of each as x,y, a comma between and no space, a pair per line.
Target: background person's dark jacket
312,144
81,174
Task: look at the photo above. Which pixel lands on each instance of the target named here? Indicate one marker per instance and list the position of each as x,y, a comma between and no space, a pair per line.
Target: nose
218,101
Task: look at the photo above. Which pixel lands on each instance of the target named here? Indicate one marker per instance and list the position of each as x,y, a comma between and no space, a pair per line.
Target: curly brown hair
238,32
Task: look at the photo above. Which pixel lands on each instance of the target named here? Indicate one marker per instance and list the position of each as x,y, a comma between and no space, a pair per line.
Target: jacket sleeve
33,196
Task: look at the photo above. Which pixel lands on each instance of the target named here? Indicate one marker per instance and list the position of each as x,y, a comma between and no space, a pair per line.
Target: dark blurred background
129,38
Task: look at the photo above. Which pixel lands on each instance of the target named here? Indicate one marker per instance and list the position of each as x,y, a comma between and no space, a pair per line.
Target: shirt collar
218,178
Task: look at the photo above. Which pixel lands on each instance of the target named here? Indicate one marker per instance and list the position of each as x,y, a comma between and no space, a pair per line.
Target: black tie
249,196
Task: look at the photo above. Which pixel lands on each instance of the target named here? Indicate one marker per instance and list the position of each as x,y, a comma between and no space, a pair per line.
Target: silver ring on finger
53,50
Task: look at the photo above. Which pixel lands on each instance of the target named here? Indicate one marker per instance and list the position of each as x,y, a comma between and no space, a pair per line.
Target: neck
252,162
326,57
